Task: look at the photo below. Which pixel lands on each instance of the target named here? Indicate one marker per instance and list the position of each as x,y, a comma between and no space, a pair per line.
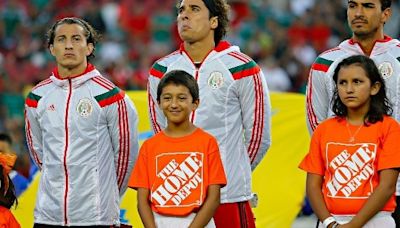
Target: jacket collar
76,80
380,46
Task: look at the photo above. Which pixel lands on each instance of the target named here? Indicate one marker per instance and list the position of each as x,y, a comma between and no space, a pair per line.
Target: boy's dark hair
10,197
219,9
179,77
5,137
385,4
91,35
379,104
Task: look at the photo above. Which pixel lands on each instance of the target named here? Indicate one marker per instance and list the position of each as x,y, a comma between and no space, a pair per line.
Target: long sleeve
122,119
317,99
157,118
256,112
32,129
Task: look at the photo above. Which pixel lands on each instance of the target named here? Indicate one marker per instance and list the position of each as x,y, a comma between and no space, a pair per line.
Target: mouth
357,22
185,27
69,55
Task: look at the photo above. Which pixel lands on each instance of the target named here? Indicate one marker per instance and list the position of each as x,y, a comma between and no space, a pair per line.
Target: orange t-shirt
178,171
350,169
7,219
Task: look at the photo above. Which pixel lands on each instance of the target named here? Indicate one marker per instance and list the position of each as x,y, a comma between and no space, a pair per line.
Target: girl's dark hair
379,103
9,198
91,35
385,4
179,77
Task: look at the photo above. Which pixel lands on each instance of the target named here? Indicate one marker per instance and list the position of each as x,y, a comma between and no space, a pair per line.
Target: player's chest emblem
386,70
216,80
84,107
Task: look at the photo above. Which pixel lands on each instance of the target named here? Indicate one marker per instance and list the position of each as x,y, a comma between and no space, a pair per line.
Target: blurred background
282,36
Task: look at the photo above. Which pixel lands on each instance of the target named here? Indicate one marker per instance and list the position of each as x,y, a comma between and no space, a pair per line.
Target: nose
68,44
359,11
183,15
349,88
174,103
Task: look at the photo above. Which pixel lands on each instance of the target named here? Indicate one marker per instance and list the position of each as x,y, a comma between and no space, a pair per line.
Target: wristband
328,221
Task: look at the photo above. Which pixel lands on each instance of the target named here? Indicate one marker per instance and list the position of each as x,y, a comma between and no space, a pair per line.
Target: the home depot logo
351,170
179,181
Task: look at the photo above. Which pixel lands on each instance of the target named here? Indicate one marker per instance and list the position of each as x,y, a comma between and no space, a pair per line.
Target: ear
195,104
386,14
90,49
375,88
51,48
214,22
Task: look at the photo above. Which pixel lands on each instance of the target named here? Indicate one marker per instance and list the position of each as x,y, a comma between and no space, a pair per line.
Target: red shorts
234,215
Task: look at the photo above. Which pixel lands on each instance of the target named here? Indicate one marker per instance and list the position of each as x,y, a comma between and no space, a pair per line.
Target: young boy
176,186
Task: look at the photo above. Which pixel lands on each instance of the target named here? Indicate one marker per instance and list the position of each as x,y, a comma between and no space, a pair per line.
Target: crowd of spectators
283,36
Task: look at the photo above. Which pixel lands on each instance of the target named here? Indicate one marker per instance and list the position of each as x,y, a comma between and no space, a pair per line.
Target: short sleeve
313,162
140,176
216,169
389,156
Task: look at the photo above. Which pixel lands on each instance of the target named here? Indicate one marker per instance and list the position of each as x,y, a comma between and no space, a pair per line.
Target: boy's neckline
174,136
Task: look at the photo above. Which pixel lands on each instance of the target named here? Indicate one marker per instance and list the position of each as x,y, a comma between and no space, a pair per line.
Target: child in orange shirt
179,173
352,165
7,192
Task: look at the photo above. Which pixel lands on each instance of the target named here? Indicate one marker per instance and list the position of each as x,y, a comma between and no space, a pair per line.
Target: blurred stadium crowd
283,36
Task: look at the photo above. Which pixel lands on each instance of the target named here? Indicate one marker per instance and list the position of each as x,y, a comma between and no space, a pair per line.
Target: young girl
352,165
7,192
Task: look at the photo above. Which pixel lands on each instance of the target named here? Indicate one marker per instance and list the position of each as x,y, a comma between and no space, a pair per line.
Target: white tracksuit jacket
234,107
386,55
82,134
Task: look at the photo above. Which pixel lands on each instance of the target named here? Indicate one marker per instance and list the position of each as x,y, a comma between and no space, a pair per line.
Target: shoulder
38,92
160,66
239,64
105,92
327,59
328,124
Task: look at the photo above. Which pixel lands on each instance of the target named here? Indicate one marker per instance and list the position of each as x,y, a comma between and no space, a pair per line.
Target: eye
342,82
357,81
60,39
182,98
76,38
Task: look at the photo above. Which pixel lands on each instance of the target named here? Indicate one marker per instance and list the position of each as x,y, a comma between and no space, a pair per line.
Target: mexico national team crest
386,70
84,107
216,80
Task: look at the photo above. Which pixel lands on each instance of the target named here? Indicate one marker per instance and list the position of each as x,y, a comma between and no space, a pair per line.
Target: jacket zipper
65,153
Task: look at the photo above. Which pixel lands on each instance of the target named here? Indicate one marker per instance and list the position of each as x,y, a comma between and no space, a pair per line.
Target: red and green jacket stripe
32,100
321,64
110,97
245,70
157,70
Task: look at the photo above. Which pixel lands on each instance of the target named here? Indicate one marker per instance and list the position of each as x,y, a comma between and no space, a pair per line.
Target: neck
367,42
356,117
66,72
179,130
198,51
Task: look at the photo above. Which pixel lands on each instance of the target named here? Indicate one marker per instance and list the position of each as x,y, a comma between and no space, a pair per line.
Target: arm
145,212
157,118
317,99
256,114
33,134
122,120
209,207
314,194
378,199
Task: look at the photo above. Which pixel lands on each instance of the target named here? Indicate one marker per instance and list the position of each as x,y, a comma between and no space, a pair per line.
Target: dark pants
396,213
